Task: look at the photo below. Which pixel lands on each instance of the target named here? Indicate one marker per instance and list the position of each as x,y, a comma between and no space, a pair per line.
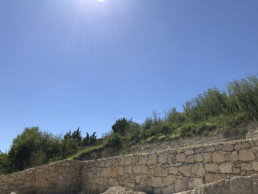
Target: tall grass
225,109
214,109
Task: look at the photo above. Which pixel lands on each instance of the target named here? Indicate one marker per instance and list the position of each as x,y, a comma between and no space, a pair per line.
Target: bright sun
101,0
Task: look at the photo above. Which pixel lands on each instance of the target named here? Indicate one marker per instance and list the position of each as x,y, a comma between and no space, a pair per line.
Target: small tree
89,140
121,126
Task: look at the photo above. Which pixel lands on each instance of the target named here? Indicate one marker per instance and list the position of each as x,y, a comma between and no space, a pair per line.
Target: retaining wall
59,177
172,170
235,185
168,171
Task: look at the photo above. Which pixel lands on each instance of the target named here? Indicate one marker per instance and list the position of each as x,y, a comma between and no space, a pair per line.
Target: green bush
115,140
121,126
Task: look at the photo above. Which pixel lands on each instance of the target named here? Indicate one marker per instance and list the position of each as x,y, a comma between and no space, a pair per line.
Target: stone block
199,150
218,147
227,148
144,169
189,152
180,185
157,182
226,168
168,190
173,170
255,166
112,171
207,157
211,167
137,169
232,157
171,158
104,172
180,157
131,178
198,170
157,171
246,166
152,159
241,146
210,149
164,172
148,181
142,159
246,155
218,157
198,157
209,178
185,170
114,162
169,180
189,159
121,160
128,160
102,164
236,170
163,158
135,159
120,170
194,182
108,163
128,170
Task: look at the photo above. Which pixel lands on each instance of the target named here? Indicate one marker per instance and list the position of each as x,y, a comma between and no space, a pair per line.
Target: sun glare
100,0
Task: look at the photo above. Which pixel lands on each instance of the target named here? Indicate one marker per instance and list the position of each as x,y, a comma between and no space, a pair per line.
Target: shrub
120,126
115,140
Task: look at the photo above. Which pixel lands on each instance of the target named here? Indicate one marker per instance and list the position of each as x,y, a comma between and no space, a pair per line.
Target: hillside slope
159,145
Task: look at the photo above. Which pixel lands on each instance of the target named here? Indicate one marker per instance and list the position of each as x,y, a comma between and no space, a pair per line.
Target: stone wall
235,185
168,171
59,177
172,170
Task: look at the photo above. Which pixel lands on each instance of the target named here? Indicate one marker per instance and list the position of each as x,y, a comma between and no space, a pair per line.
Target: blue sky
83,63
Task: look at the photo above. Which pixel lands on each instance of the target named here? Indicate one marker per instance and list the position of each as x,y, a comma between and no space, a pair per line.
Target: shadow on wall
235,185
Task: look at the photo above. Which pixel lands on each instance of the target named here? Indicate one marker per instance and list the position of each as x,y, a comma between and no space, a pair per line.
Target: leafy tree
4,160
76,135
120,126
89,140
93,138
68,135
86,140
147,123
27,146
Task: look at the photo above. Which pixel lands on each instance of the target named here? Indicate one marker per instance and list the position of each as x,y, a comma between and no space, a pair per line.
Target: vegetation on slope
218,110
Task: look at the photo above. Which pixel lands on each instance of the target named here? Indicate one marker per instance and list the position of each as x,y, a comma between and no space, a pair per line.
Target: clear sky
85,63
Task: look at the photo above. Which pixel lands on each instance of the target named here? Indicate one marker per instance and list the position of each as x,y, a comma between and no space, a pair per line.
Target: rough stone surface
158,172
180,185
194,182
226,168
120,190
246,155
185,170
218,157
211,167
255,166
235,185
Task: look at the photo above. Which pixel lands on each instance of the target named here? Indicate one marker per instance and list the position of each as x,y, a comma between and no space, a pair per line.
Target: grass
226,112
86,151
